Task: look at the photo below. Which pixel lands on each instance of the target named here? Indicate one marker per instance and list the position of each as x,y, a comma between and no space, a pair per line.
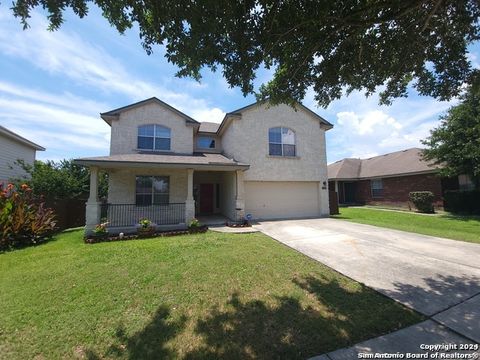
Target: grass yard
465,228
197,296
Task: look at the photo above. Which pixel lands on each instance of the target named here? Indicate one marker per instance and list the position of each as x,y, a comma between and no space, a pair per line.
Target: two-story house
267,161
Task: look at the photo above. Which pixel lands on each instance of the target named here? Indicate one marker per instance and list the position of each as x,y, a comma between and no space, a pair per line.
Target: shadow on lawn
149,343
254,329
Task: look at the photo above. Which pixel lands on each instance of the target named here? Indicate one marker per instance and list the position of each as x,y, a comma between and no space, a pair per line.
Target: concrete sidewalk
408,340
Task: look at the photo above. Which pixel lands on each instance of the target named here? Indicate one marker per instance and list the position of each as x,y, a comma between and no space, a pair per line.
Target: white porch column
240,195
189,202
92,209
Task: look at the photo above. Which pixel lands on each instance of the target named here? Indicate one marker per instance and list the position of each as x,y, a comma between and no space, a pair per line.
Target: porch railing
118,215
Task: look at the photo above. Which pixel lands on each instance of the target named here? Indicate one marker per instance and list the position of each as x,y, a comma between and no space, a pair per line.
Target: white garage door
278,200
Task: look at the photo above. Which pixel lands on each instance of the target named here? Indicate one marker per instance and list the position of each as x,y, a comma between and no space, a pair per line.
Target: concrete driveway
428,274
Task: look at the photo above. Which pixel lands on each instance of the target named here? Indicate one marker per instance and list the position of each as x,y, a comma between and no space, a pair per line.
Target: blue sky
54,85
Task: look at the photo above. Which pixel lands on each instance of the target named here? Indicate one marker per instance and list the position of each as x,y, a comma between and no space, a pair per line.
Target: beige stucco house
14,147
267,161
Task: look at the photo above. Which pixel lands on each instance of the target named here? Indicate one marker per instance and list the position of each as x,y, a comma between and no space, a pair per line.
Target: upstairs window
281,142
153,137
377,188
205,142
151,190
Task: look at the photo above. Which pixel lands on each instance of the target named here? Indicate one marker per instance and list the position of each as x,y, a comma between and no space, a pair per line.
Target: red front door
206,198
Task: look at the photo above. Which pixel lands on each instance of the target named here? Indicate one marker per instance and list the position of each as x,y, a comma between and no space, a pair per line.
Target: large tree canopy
328,45
456,142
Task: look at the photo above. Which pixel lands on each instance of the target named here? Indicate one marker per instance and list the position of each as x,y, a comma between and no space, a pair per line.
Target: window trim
282,155
372,192
152,193
154,137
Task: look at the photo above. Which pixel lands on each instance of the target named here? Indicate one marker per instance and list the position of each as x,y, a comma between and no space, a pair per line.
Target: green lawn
465,228
198,296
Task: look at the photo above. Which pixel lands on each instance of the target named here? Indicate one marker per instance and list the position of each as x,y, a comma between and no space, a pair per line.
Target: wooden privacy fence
333,202
70,213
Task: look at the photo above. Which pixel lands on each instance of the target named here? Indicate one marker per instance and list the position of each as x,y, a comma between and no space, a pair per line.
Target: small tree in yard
24,220
423,201
456,142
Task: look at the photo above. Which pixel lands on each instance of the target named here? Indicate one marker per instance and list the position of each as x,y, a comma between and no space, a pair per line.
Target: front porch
170,197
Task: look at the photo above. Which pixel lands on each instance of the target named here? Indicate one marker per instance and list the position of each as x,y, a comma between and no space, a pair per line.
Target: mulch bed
98,239
238,224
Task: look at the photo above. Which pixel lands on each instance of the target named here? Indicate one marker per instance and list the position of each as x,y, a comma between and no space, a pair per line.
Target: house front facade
14,147
262,160
388,179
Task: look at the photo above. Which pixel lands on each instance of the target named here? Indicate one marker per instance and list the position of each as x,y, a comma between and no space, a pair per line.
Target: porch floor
216,219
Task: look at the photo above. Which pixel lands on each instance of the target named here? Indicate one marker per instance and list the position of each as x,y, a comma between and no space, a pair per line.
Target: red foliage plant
24,219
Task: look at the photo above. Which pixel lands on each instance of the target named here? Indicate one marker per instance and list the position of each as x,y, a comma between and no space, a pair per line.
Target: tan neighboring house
14,147
267,161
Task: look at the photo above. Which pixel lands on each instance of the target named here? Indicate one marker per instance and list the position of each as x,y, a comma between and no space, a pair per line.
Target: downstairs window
152,190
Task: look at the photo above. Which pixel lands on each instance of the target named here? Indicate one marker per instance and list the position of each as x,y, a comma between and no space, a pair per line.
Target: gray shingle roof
344,169
20,139
195,159
299,104
209,127
397,163
105,115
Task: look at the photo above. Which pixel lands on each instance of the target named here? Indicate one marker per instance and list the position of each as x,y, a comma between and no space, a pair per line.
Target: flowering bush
23,219
100,229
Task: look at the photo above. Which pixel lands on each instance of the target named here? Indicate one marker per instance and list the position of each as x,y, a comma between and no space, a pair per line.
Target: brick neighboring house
388,179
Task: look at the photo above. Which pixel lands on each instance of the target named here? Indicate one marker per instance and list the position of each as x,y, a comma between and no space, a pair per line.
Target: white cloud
65,128
66,54
365,129
212,115
367,123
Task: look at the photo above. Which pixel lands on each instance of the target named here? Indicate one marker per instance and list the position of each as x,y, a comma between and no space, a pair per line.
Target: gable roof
401,162
10,134
114,114
209,127
206,126
344,169
238,113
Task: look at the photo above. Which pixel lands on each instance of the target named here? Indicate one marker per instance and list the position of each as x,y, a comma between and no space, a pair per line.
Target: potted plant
145,227
195,226
100,231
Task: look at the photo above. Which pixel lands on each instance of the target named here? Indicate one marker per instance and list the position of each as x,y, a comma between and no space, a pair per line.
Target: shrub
467,202
423,200
194,223
23,219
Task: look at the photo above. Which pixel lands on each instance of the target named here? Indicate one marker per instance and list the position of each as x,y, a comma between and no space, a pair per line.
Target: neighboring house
267,161
388,179
13,147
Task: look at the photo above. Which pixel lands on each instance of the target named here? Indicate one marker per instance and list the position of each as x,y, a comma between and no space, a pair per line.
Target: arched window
281,142
153,137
